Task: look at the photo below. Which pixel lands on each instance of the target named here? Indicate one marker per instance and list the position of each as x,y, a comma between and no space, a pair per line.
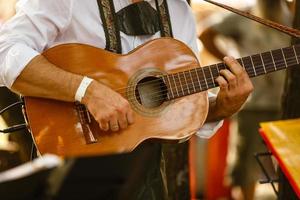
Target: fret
171,85
175,85
189,92
181,84
192,81
296,54
168,84
177,79
243,64
208,77
278,58
289,56
212,76
284,58
255,74
258,64
215,72
198,79
263,63
297,49
240,62
268,61
217,68
248,66
204,78
184,83
273,61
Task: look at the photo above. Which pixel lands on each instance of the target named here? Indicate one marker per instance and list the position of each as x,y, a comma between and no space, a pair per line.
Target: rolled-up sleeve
34,27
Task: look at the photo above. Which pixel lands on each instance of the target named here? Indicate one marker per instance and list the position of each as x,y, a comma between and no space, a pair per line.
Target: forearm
40,78
215,113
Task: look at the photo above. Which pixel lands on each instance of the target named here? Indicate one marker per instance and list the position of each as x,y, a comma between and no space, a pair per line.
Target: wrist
216,111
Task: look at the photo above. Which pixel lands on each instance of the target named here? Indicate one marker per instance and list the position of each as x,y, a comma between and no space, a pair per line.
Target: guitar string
209,85
268,66
159,97
262,70
209,66
211,82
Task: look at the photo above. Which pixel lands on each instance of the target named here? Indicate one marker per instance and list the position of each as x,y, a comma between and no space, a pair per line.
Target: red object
216,165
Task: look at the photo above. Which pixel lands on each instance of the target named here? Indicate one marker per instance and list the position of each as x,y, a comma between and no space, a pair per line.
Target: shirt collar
152,2
119,4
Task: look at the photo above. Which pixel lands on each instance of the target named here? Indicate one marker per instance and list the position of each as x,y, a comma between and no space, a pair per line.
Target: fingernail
226,58
229,58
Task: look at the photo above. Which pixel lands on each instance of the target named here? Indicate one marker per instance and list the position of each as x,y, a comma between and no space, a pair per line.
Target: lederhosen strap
165,21
112,32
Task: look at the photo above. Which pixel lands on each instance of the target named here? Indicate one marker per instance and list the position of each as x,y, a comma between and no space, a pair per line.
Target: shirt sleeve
34,27
209,129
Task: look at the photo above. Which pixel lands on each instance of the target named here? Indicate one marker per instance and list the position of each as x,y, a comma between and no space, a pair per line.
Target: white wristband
86,81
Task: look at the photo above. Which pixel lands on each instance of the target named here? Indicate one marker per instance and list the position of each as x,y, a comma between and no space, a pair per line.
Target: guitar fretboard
203,78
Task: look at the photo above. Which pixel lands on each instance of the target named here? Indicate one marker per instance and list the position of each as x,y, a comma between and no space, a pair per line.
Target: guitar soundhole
151,92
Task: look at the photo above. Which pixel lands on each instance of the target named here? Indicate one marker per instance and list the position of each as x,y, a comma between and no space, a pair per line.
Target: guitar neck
203,78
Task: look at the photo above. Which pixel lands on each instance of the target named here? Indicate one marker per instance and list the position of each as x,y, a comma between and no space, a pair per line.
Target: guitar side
55,125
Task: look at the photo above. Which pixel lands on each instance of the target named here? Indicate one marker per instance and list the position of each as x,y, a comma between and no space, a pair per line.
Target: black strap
112,32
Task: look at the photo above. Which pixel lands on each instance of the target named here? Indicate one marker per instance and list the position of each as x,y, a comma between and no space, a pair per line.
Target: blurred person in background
264,103
13,116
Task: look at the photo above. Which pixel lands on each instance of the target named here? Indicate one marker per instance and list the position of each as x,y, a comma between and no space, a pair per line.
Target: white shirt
42,24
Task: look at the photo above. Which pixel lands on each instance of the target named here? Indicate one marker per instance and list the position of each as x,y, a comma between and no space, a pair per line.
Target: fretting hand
235,87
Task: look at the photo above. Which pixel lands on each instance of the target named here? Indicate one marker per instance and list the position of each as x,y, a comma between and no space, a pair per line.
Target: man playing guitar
40,25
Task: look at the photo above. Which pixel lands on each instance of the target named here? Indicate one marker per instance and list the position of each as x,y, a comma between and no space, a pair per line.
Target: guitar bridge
85,121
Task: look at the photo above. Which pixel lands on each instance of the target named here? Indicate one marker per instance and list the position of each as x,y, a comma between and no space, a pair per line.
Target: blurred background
224,166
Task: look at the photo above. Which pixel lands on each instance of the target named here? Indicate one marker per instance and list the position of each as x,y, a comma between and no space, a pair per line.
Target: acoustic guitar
163,82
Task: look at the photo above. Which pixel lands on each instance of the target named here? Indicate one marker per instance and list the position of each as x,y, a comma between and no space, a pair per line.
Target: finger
230,78
222,83
233,65
114,124
123,121
130,118
104,125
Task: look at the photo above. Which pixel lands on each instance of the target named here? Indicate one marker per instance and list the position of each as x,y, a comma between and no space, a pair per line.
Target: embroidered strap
165,21
112,32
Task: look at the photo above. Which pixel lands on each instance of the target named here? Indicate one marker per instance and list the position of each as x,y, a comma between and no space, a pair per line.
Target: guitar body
56,127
